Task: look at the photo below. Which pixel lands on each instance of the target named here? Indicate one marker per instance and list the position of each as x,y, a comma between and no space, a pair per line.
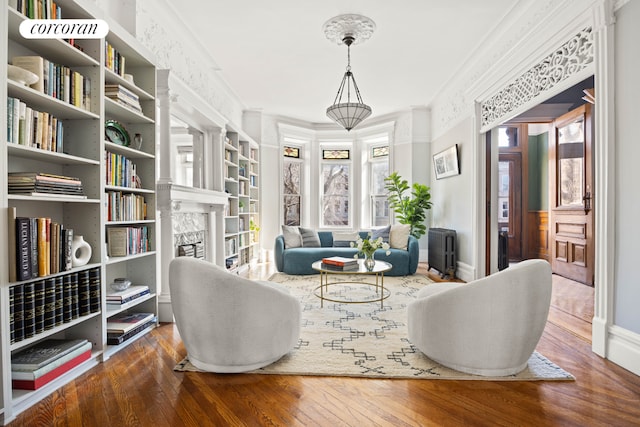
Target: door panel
571,198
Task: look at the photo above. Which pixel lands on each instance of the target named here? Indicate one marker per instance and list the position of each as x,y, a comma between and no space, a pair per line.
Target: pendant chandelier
348,29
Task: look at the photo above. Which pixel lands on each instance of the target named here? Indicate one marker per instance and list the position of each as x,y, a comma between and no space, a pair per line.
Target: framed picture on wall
445,163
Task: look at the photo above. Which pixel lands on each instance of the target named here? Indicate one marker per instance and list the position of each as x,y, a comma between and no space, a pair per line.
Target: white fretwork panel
571,58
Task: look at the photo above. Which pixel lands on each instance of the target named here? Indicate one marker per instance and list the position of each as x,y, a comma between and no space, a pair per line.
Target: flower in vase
369,246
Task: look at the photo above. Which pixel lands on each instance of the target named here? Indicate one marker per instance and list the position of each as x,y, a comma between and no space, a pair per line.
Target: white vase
80,251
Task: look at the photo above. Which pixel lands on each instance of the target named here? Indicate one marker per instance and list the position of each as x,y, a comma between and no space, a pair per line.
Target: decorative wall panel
571,58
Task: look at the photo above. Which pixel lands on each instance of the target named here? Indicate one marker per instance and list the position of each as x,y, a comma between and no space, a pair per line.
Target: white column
164,224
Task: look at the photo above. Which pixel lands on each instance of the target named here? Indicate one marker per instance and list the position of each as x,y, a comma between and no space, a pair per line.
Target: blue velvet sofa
299,260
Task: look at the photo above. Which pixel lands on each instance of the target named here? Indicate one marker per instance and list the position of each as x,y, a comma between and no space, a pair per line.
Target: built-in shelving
84,157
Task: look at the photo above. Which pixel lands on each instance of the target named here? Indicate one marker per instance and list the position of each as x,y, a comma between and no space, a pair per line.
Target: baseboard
165,309
624,348
465,272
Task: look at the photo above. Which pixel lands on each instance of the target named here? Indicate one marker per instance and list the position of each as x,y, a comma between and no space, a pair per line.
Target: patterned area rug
364,340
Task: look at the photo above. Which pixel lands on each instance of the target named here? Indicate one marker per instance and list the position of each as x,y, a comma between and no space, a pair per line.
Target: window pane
292,152
335,154
503,193
379,171
292,210
508,136
291,177
335,200
571,164
380,152
380,211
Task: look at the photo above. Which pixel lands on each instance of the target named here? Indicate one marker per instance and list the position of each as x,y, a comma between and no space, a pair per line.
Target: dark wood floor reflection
138,387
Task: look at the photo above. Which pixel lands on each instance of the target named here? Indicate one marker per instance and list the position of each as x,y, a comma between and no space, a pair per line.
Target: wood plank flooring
138,387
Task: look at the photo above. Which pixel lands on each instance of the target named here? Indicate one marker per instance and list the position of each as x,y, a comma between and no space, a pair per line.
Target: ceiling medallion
348,29
359,27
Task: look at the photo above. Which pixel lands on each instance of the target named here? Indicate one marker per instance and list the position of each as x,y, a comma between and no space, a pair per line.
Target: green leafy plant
411,209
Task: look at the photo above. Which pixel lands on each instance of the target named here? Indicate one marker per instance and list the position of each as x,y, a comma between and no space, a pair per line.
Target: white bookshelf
83,157
241,181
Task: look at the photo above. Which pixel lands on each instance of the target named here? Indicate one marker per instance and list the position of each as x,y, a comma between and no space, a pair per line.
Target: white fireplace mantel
175,199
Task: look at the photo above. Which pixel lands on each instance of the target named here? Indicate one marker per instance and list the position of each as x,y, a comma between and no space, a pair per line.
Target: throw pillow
381,232
343,240
399,236
292,237
310,238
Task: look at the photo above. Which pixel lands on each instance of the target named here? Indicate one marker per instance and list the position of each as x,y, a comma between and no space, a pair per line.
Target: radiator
442,251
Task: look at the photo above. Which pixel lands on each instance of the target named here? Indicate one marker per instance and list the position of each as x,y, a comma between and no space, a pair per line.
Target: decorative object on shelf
137,139
445,163
348,29
80,251
120,284
20,75
409,210
115,132
368,248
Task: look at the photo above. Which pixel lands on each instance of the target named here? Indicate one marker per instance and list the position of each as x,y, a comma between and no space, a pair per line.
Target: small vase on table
369,261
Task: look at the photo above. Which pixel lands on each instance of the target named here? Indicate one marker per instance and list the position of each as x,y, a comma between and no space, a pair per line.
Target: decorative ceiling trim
569,59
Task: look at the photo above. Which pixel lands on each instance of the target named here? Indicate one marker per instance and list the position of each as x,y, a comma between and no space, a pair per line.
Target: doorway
525,188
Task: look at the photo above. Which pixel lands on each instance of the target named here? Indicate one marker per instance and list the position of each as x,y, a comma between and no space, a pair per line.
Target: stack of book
339,263
123,96
44,184
125,241
47,360
119,299
124,326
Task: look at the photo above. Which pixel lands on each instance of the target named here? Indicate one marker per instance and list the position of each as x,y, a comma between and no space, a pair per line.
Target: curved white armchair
228,323
488,327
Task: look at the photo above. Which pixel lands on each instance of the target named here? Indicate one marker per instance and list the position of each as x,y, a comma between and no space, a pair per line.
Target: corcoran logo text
64,29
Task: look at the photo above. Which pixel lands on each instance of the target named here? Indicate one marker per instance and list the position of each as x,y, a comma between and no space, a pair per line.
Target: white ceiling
274,55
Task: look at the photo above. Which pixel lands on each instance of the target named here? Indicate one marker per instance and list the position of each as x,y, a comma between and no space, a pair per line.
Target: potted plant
412,209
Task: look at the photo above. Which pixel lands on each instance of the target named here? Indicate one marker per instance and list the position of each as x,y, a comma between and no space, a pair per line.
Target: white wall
627,96
451,197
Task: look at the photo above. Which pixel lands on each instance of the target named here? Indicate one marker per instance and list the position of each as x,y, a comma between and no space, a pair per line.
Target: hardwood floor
138,387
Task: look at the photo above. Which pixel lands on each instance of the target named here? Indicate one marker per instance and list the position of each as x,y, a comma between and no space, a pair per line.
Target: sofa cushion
310,238
381,232
292,236
344,239
399,236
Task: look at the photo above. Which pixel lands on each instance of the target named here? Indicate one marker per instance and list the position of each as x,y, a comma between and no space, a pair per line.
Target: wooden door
510,201
571,196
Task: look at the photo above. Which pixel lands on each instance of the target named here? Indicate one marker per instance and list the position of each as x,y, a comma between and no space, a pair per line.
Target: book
339,261
121,323
95,284
117,241
37,373
43,353
39,288
12,321
53,374
18,312
119,338
84,293
49,303
351,267
129,294
29,310
11,237
23,248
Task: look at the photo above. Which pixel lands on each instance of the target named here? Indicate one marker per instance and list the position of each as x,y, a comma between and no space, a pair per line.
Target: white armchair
488,327
228,323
